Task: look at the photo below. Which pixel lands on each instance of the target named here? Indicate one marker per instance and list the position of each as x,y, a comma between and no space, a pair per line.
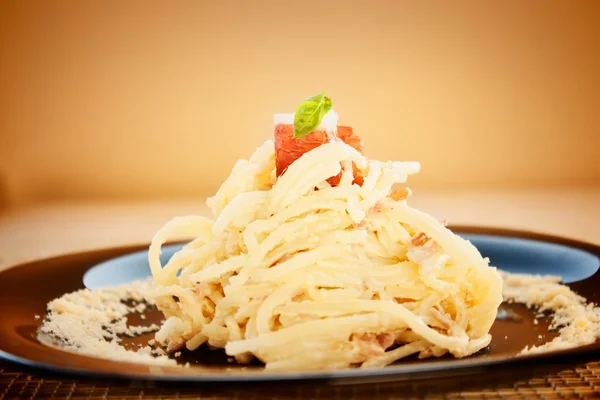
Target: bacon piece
288,149
419,239
399,193
373,343
377,207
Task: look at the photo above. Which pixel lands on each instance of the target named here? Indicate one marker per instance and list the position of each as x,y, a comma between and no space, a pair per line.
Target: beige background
156,99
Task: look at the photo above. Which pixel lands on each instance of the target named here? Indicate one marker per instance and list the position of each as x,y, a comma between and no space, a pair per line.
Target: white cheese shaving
578,323
91,322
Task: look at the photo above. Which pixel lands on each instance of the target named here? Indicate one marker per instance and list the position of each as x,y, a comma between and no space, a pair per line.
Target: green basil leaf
310,113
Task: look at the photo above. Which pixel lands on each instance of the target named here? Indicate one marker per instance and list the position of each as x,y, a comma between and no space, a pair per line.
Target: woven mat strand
548,382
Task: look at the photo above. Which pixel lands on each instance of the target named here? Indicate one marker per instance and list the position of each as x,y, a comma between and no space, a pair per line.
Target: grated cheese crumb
159,351
91,322
578,323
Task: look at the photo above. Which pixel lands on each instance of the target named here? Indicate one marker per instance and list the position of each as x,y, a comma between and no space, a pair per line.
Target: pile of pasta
303,275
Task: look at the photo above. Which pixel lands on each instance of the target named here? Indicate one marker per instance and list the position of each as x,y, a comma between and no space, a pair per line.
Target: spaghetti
305,275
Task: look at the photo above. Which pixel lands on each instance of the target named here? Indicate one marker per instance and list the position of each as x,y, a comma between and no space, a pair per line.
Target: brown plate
25,290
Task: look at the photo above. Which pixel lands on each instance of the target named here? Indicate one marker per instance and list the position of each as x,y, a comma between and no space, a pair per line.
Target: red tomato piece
288,149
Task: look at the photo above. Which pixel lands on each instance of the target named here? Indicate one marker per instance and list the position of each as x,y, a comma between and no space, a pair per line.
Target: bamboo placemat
562,381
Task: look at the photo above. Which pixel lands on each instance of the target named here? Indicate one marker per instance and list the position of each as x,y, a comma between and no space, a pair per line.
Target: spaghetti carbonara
304,274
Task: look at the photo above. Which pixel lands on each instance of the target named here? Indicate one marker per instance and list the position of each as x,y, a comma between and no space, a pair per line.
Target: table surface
42,230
